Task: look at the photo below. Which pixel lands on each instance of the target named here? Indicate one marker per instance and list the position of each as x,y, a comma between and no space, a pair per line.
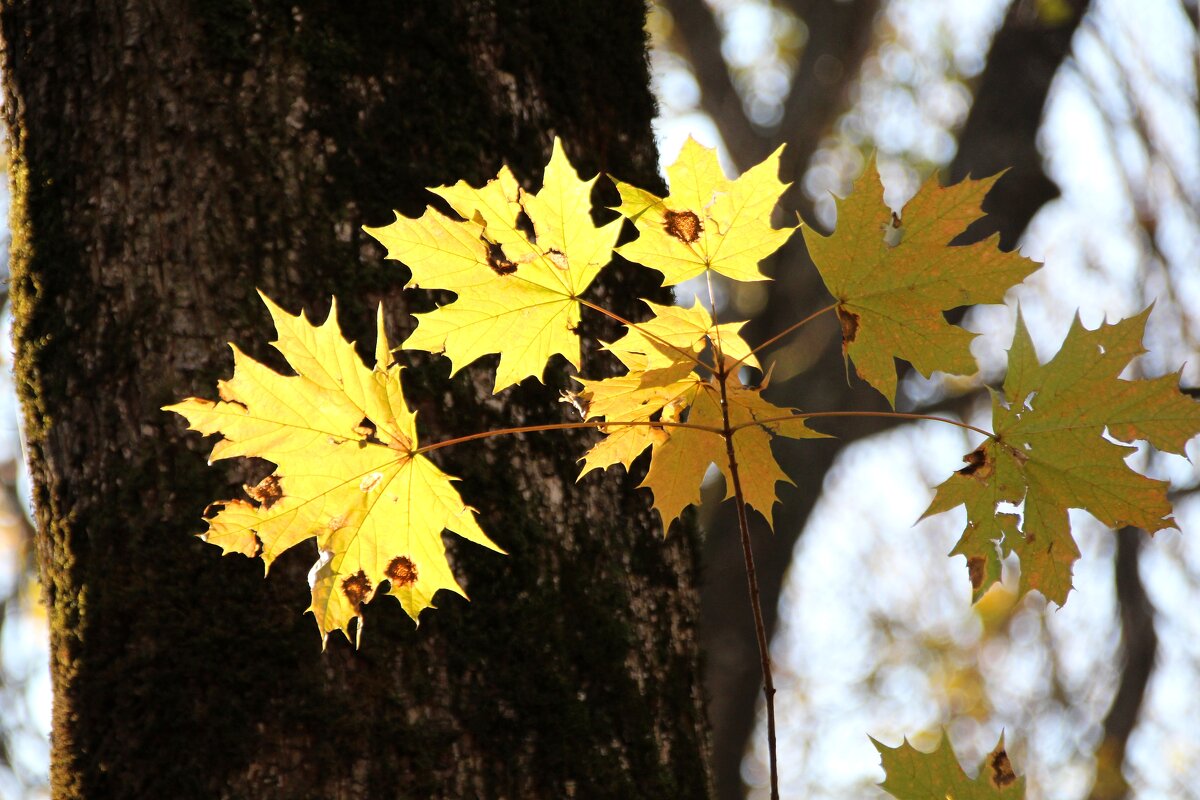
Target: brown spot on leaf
497,260
683,225
1002,772
975,568
401,571
267,492
979,464
357,588
849,321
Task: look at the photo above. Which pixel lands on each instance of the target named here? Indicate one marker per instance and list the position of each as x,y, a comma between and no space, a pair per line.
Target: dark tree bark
170,156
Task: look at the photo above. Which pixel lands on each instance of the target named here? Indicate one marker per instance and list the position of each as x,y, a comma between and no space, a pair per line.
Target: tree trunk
170,156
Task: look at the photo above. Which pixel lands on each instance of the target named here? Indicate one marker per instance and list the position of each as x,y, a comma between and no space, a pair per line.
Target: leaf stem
884,414
760,630
563,426
784,333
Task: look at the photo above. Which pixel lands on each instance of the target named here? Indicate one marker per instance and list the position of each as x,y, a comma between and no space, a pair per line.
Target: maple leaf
517,293
662,385
707,221
344,443
913,775
673,331
679,462
893,278
1049,452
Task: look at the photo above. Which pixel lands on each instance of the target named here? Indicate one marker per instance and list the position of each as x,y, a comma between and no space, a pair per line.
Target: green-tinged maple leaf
913,775
1049,452
663,386
707,221
343,441
893,278
517,294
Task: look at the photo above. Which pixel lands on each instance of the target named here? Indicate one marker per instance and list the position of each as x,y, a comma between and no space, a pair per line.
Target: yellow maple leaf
649,345
1049,452
660,354
893,277
517,293
662,385
344,443
678,464
707,221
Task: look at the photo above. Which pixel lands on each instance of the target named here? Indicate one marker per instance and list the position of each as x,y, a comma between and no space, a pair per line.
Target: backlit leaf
343,442
707,221
517,293
913,775
1050,452
664,384
893,277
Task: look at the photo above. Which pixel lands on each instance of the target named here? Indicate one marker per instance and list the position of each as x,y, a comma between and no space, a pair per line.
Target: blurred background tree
1092,107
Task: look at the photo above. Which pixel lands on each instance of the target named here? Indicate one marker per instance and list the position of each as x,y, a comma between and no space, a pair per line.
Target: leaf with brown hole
707,221
892,282
342,438
266,492
913,775
517,289
1050,453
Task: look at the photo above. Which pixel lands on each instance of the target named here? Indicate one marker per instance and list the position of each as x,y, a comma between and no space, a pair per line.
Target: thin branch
784,333
883,414
760,629
564,426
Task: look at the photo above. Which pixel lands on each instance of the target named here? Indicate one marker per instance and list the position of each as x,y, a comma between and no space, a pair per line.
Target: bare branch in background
698,39
840,36
1001,129
1139,647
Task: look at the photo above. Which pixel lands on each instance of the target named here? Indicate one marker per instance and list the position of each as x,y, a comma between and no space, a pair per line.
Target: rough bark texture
169,156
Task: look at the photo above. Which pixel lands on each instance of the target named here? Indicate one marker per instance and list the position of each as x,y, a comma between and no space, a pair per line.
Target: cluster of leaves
351,472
